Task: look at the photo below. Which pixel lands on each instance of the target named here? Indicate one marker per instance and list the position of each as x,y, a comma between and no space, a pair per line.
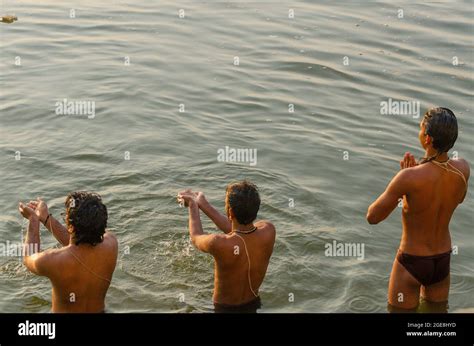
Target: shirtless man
80,271
431,191
242,253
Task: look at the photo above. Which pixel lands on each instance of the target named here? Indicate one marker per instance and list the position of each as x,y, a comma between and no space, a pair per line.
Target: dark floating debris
9,19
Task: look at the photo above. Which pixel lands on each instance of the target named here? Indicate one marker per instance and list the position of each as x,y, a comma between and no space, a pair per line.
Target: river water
172,82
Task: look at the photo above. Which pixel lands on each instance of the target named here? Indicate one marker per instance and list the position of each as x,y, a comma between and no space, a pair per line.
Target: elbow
25,256
193,241
372,218
27,262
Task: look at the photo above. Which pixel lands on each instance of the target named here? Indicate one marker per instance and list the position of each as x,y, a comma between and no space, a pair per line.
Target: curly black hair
244,200
86,213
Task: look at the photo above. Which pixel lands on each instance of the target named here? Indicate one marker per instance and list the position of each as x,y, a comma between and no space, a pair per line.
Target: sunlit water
190,61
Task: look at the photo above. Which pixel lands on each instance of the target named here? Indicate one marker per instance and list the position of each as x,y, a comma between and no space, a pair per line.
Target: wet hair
86,213
244,200
441,125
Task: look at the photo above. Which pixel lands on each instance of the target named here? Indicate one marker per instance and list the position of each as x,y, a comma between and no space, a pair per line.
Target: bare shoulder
110,239
218,237
463,166
415,171
110,244
266,226
61,258
219,244
409,175
47,262
419,175
267,223
52,254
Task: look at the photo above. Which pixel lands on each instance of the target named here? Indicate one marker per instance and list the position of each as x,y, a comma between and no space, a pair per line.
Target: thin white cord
453,170
248,259
89,270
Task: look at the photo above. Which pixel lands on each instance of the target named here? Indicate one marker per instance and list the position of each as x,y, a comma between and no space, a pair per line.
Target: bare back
231,279
81,275
428,209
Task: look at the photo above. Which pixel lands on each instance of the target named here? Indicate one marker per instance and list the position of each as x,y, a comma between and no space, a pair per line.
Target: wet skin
430,195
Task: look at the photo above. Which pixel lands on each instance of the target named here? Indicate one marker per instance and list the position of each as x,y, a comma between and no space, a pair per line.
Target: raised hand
191,198
408,161
40,207
27,212
188,196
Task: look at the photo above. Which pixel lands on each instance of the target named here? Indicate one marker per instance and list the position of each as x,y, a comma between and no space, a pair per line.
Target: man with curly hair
81,270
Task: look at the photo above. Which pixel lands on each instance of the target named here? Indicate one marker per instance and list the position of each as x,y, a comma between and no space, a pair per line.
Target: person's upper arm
39,263
466,170
387,201
206,242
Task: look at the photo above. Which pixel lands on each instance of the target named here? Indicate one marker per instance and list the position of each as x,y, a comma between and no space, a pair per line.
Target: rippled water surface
47,56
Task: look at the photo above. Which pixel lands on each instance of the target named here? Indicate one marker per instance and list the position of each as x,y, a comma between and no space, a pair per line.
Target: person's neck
244,228
429,152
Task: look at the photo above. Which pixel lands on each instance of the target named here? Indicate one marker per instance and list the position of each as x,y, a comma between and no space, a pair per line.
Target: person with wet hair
81,270
242,253
441,126
430,189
